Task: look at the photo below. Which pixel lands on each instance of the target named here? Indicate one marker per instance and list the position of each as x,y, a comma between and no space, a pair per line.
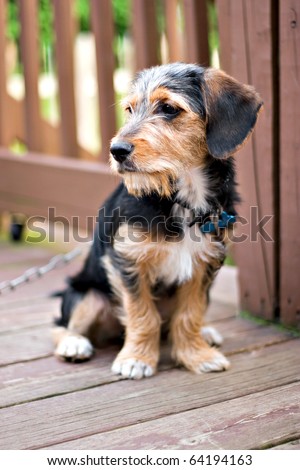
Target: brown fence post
289,161
64,30
39,182
30,60
145,33
103,28
3,94
224,18
172,32
196,31
249,36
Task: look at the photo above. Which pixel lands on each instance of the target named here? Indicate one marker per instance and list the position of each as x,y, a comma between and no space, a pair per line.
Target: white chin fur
193,189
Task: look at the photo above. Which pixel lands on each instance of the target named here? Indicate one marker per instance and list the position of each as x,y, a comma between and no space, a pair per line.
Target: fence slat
259,30
16,126
3,94
30,61
172,30
145,33
64,30
251,52
196,31
102,25
38,182
224,27
289,162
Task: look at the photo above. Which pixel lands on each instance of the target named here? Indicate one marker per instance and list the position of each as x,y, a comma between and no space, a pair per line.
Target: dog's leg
72,342
70,345
189,346
140,354
211,335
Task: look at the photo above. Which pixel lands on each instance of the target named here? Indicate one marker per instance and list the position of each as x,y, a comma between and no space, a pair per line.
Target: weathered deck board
252,422
25,345
48,403
23,382
291,445
19,383
23,313
15,259
32,341
41,288
16,254
123,404
19,315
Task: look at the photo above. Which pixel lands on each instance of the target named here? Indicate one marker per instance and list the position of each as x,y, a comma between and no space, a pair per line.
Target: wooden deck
49,404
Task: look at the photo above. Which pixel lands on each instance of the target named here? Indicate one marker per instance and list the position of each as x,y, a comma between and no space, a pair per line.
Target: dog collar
225,220
210,226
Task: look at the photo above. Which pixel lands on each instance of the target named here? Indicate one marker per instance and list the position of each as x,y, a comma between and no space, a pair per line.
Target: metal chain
38,272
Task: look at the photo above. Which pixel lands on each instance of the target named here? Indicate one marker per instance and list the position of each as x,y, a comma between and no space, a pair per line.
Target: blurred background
65,66
57,49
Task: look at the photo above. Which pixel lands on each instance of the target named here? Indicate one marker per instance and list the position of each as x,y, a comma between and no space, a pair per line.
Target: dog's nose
121,150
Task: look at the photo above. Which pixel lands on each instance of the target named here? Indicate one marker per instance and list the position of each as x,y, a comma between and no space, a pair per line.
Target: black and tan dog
162,235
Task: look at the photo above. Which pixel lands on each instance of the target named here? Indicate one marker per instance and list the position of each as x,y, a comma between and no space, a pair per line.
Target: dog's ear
231,110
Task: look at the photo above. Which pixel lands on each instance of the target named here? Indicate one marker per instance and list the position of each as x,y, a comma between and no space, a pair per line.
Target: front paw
211,336
74,348
132,368
204,359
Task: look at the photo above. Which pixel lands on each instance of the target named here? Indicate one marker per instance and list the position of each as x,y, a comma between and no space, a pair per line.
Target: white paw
216,364
75,348
132,369
211,336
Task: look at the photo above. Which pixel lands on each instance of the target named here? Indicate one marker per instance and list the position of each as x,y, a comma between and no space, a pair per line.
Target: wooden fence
259,43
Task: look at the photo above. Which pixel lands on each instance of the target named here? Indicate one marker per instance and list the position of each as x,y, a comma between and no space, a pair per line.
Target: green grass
261,321
50,109
229,261
4,237
120,114
34,238
18,147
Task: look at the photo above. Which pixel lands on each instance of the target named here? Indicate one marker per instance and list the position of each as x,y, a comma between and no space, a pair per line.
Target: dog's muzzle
121,150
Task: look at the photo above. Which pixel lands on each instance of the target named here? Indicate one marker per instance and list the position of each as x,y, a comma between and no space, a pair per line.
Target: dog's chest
177,262
177,259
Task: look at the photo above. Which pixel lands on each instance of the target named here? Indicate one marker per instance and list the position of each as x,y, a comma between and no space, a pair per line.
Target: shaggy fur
151,265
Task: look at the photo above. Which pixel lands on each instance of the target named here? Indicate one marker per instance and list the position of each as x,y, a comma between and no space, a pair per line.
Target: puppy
161,236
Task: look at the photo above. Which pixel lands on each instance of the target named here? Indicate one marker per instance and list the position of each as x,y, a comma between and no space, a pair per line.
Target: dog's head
178,115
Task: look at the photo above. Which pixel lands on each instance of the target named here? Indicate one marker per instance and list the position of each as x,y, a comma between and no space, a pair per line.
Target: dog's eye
169,110
129,109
